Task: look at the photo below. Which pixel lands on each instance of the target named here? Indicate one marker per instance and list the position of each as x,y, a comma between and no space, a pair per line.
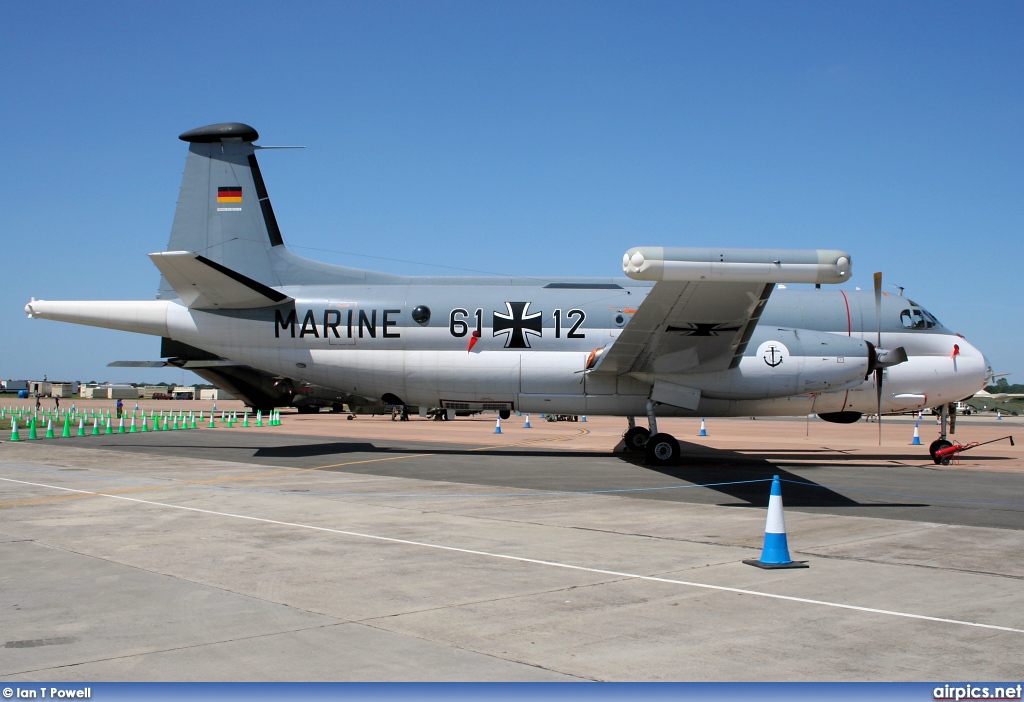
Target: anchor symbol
773,362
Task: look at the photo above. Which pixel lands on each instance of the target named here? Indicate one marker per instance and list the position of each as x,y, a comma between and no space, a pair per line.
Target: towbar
737,265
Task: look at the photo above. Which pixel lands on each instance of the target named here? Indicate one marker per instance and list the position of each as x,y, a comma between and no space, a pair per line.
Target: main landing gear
659,449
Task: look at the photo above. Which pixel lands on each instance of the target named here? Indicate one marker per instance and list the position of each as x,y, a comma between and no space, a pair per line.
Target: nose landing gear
942,442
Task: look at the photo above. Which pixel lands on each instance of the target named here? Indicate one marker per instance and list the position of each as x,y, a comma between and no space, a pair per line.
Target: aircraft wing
996,396
685,326
210,363
703,309
205,284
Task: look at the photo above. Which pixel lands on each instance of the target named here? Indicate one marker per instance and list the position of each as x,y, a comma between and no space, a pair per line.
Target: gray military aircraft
698,332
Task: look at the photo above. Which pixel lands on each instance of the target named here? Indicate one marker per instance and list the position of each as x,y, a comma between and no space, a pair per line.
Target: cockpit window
918,318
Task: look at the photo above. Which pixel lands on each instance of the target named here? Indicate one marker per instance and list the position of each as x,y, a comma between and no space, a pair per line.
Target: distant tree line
1003,386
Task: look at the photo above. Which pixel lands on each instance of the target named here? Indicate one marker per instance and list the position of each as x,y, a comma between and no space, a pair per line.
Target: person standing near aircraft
120,407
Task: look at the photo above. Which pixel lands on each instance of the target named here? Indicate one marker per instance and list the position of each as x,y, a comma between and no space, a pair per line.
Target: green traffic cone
110,428
33,433
245,420
120,425
191,421
14,431
49,429
66,432
145,425
133,430
212,425
95,425
164,428
259,418
81,426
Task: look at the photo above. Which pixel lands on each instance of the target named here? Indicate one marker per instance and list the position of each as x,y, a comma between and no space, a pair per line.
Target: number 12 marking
580,316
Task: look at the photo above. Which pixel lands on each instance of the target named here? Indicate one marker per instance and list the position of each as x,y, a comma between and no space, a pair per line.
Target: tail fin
224,212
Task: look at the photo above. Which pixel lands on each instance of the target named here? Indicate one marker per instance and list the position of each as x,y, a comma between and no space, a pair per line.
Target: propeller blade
878,305
878,371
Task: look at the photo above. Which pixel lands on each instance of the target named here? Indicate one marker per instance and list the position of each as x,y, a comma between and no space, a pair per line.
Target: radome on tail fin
224,215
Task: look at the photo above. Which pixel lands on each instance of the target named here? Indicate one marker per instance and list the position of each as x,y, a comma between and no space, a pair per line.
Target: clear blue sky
525,138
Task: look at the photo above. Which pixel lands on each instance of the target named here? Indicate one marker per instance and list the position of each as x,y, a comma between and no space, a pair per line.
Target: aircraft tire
661,450
636,439
938,445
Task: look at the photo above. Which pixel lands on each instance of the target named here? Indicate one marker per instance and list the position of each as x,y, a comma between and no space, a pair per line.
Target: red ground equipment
946,455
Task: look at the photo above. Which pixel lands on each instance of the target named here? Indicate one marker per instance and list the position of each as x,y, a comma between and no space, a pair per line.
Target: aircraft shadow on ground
710,466
700,465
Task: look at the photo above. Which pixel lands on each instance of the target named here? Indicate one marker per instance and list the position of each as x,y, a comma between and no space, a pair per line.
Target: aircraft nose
973,365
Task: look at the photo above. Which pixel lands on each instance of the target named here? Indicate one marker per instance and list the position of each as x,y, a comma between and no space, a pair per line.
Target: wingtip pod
753,265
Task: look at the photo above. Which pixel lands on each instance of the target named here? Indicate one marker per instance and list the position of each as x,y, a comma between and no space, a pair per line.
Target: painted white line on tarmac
535,561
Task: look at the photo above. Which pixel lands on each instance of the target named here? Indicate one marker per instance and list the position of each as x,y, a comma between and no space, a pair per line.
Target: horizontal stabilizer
137,364
205,284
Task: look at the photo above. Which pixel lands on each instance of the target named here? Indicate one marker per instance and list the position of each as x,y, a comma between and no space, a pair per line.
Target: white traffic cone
703,430
917,436
497,426
775,553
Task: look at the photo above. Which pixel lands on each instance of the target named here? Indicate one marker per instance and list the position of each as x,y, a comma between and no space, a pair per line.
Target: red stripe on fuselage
849,322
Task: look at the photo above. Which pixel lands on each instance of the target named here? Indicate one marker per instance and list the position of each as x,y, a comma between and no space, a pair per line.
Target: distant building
215,394
148,391
14,385
39,387
108,392
63,389
184,392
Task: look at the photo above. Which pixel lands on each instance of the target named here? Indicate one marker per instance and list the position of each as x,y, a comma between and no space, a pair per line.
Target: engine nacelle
782,363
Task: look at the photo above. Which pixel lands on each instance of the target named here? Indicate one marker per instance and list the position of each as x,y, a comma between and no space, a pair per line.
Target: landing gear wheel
936,446
661,450
636,439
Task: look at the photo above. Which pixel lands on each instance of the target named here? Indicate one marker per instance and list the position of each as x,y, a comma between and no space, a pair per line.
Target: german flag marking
231,193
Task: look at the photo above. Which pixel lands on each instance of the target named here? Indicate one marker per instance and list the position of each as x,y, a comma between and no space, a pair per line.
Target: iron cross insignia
703,329
517,324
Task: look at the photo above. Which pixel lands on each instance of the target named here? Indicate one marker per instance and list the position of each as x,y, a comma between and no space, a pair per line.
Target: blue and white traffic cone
999,414
497,426
917,436
527,425
583,418
703,429
775,553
